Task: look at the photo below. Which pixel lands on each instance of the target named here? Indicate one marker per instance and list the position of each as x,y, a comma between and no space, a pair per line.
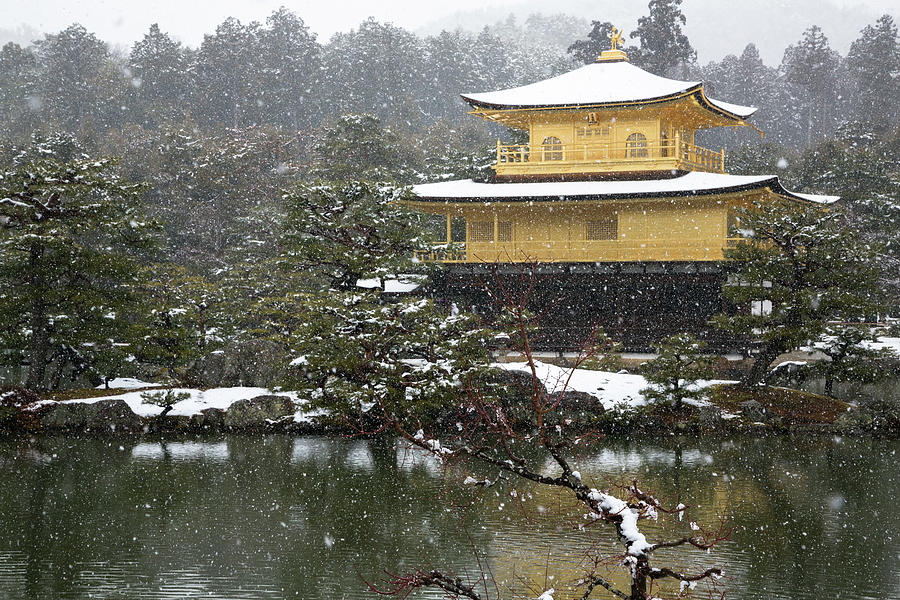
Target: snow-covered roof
611,82
692,183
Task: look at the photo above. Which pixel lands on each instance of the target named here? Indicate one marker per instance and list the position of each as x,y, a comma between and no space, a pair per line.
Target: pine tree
851,356
159,68
227,73
857,165
874,61
376,69
291,72
20,105
352,341
451,67
800,268
673,374
67,234
185,320
812,65
356,146
75,78
664,48
352,230
204,185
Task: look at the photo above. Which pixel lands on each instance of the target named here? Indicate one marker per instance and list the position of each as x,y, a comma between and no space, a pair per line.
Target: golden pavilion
612,196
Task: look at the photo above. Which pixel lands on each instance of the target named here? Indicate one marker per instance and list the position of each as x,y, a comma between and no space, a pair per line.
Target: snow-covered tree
20,104
205,186
66,270
76,78
812,65
852,356
377,69
291,72
227,75
359,146
859,164
184,320
874,62
352,341
679,364
798,268
160,75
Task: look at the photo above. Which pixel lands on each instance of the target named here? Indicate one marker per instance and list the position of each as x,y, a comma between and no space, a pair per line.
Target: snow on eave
734,110
694,183
814,198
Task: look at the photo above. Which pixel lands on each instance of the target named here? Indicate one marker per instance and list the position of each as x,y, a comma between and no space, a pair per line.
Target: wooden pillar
449,228
496,228
619,310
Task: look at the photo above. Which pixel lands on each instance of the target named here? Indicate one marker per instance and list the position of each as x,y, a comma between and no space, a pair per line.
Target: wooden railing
702,159
577,251
450,253
611,156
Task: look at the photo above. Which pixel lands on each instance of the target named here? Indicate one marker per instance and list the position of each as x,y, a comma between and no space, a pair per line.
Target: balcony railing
612,157
578,251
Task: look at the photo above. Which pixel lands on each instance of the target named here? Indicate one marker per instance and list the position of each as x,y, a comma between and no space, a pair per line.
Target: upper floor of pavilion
606,118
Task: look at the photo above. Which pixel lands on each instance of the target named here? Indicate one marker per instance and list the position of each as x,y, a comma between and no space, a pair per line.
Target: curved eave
565,191
636,103
726,109
717,107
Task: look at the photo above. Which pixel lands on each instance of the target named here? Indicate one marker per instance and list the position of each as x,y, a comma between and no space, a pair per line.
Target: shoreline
598,401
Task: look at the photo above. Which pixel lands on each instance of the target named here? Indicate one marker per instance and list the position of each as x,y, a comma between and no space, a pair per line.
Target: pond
315,518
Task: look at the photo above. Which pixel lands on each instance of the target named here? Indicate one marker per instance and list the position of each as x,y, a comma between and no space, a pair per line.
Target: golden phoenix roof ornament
615,52
615,39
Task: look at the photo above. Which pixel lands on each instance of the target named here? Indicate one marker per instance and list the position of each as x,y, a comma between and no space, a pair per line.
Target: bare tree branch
597,580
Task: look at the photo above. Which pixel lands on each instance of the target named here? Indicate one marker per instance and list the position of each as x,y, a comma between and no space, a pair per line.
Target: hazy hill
715,28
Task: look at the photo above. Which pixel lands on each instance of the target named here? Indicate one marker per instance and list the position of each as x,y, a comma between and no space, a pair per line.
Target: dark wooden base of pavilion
636,304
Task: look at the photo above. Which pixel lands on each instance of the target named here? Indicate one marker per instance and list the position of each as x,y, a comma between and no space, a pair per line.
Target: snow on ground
127,383
197,401
890,343
883,343
404,285
613,390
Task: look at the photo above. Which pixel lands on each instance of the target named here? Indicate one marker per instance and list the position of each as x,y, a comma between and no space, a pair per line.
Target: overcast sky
122,22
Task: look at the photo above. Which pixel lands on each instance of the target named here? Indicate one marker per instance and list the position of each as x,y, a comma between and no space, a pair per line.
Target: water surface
240,517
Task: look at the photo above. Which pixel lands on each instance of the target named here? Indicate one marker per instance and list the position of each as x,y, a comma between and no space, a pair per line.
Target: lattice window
589,133
603,229
552,147
636,145
481,231
504,231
